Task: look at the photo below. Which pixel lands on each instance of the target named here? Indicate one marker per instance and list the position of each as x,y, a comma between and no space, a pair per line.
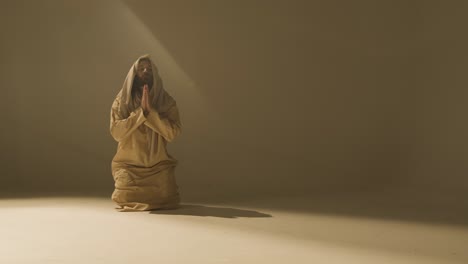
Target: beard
138,83
141,81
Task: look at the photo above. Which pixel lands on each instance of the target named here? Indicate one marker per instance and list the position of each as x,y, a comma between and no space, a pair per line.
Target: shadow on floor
202,210
441,208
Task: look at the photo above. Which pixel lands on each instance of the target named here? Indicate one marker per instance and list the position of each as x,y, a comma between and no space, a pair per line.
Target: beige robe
143,170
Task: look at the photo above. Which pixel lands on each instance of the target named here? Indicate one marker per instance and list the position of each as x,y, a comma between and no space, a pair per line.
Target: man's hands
145,101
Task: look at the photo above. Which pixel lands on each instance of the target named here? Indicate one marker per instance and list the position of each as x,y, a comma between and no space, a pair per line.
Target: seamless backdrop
276,97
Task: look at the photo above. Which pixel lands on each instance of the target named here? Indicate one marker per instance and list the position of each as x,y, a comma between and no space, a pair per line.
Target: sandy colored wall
276,97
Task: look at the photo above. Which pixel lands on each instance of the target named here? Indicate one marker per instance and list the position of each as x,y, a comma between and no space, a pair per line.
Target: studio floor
89,230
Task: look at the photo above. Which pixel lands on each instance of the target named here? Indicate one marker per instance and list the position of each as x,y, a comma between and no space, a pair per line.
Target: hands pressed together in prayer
145,101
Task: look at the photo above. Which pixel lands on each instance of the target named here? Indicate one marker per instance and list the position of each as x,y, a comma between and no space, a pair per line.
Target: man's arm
169,126
121,128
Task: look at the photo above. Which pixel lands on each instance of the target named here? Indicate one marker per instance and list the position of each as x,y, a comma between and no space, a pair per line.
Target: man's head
144,72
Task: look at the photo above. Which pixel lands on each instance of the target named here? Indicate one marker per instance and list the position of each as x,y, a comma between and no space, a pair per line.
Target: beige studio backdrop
276,97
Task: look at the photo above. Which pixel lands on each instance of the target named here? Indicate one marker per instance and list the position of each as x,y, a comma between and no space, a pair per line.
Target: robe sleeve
168,126
121,128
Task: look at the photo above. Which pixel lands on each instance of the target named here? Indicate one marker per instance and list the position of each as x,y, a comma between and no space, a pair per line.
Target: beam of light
177,82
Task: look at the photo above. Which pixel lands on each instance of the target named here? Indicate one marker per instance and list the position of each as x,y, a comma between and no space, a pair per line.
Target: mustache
144,77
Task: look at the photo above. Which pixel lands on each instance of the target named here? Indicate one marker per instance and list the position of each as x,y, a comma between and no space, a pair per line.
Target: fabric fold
168,127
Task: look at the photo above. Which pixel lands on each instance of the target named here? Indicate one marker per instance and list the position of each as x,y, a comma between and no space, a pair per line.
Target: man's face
144,71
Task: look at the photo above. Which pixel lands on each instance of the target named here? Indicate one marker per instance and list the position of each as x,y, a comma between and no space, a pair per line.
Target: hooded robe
142,168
